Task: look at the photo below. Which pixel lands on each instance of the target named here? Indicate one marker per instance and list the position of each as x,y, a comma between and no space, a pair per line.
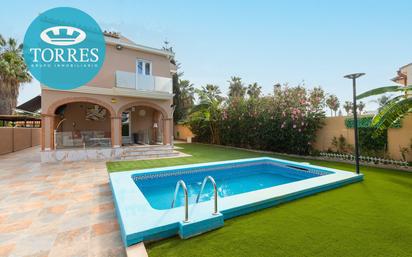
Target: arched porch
144,123
81,125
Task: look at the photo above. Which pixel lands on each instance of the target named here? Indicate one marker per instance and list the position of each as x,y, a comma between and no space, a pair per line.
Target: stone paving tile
59,210
5,250
104,228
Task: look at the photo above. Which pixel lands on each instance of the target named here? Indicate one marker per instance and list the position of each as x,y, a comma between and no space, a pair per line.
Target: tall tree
210,91
236,88
209,110
13,72
333,103
348,107
186,98
180,111
317,98
254,90
361,105
382,101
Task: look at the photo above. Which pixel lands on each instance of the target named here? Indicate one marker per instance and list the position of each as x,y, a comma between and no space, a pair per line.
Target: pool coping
140,222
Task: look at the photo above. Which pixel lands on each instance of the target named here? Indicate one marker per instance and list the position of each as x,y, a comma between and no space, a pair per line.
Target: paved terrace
56,209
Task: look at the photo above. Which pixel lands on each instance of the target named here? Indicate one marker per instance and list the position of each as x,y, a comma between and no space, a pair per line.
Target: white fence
369,159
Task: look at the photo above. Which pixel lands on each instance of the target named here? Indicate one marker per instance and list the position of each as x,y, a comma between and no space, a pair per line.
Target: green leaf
382,90
392,112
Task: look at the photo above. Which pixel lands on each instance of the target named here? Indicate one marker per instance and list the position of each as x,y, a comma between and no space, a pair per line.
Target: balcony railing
135,81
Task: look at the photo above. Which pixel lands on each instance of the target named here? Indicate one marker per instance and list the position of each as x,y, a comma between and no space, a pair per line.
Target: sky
268,42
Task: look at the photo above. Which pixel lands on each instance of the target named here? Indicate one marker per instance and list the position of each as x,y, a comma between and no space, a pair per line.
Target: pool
143,198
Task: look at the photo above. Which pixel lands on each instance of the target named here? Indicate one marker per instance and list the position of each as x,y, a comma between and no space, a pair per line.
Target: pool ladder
210,178
182,184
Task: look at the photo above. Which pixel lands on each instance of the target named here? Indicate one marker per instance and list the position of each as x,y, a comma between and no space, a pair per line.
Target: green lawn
370,218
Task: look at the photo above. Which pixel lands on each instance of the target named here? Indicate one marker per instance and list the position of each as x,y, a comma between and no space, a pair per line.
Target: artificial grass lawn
370,218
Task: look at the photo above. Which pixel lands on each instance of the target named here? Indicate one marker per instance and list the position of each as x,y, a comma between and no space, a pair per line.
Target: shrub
285,122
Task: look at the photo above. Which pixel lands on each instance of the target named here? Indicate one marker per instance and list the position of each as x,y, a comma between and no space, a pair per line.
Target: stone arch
52,108
166,116
144,104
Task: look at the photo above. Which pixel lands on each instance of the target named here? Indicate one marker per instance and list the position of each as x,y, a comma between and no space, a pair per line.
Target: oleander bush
286,121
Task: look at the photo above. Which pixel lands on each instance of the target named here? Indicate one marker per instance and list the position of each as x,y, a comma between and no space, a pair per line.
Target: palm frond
392,111
380,90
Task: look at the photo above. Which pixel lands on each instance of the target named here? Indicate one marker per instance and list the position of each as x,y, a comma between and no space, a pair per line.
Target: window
147,69
144,67
140,67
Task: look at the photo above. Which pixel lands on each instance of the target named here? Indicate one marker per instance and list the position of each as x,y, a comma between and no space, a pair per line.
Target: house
402,75
129,103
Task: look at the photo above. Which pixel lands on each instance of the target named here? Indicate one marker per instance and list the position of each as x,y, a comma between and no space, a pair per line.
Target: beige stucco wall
142,122
6,139
335,126
400,137
75,114
182,132
21,138
125,60
35,136
15,139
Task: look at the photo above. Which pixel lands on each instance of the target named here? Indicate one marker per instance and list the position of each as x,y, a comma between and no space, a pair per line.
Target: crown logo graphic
63,35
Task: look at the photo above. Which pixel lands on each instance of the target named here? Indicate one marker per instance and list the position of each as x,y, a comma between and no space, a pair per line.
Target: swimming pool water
230,180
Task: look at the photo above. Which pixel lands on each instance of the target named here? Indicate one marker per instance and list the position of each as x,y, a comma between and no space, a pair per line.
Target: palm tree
333,103
361,105
211,91
382,101
209,109
186,93
13,72
394,109
254,90
348,107
236,88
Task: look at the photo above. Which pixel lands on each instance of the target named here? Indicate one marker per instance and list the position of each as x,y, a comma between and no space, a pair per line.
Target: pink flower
294,125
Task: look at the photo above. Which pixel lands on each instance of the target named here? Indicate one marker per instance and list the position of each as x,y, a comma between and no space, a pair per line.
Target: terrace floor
56,209
67,210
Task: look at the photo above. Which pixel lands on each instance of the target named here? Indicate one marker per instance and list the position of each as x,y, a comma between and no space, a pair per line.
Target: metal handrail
183,185
210,178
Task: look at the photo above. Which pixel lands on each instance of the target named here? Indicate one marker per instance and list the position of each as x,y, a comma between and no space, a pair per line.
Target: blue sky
264,41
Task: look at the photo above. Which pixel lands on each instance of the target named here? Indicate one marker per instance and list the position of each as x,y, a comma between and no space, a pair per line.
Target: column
167,131
116,131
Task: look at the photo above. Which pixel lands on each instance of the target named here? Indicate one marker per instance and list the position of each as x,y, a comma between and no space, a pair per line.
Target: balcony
135,81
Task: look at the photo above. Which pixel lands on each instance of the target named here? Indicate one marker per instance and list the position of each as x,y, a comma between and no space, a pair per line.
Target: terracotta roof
114,38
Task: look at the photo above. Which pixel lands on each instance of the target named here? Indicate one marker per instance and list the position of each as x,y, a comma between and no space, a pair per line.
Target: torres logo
64,48
63,35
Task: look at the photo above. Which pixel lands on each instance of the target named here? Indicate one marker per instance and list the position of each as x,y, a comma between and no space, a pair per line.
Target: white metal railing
135,81
182,184
209,178
364,159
